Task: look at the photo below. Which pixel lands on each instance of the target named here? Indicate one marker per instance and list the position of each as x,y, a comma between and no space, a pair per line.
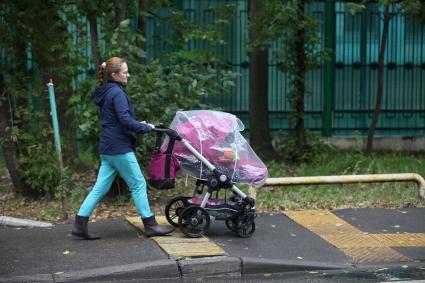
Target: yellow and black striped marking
177,245
361,246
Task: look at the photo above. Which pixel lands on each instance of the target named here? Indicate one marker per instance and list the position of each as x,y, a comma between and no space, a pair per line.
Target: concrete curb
147,270
217,266
158,269
28,278
19,222
252,265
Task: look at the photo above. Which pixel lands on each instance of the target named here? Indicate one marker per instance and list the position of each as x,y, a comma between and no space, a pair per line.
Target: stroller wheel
174,209
194,221
245,229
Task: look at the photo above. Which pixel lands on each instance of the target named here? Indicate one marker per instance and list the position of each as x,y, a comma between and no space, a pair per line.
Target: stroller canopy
216,136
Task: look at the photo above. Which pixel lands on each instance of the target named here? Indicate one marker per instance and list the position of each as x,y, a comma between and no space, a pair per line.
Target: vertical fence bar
329,78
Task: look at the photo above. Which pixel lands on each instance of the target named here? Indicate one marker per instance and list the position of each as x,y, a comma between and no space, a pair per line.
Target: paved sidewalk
280,244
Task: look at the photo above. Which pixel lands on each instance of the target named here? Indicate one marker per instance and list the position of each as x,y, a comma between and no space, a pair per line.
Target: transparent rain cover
216,136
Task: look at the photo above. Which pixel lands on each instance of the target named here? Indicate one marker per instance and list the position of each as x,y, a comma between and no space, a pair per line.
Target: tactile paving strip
361,246
177,245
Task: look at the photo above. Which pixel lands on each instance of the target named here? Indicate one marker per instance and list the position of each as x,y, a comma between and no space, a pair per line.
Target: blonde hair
113,65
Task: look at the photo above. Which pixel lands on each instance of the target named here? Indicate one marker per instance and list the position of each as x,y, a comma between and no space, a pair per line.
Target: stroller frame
193,215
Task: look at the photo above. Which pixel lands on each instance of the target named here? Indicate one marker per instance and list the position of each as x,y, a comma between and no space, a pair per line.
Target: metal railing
345,179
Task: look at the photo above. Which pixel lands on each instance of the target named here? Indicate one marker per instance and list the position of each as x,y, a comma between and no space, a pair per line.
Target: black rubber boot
152,228
80,228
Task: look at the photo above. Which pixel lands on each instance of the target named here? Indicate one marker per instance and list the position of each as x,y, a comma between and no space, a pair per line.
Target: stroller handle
169,132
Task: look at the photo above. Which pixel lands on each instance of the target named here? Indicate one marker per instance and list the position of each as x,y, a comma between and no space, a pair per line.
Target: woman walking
117,146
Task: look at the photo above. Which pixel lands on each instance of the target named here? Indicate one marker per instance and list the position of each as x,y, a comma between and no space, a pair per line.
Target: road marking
361,246
177,245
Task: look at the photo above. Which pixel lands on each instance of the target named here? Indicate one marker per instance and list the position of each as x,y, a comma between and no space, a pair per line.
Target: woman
117,146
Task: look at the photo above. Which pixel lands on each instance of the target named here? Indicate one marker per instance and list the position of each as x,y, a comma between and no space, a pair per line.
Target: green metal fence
356,69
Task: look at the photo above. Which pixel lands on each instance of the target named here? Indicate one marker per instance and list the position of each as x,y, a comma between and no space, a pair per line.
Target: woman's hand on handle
149,124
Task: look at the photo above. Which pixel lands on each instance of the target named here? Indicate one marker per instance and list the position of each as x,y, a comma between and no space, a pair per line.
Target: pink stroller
211,149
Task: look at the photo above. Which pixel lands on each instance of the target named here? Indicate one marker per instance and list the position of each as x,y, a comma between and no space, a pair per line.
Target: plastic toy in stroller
208,146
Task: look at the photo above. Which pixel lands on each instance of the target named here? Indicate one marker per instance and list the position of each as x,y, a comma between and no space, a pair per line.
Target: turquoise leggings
129,169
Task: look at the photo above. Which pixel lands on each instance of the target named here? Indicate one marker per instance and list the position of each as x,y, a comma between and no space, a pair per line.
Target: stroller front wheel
194,221
245,229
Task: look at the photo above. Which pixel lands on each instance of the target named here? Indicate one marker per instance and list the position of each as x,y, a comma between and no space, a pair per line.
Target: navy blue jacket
117,123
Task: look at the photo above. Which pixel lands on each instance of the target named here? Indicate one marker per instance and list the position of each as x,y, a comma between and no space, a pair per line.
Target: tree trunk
8,147
94,41
120,11
260,138
300,88
141,23
375,117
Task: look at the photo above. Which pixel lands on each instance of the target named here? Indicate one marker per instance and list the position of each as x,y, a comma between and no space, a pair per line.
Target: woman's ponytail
100,71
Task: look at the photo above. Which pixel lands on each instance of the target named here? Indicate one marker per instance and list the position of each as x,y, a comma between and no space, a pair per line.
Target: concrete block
218,266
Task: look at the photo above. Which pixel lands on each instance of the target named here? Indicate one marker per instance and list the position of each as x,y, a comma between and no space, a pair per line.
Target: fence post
329,77
55,123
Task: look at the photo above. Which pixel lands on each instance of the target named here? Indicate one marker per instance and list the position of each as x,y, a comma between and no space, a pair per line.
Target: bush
315,146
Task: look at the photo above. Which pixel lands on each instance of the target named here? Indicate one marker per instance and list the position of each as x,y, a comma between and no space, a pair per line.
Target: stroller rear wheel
194,221
174,209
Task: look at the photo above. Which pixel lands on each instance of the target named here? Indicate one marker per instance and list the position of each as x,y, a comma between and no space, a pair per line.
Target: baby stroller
208,146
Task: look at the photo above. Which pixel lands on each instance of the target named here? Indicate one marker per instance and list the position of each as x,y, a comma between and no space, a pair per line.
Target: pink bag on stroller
163,166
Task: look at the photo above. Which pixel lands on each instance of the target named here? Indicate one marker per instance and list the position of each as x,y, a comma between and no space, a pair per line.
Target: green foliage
414,9
36,46
316,147
38,166
62,190
76,197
